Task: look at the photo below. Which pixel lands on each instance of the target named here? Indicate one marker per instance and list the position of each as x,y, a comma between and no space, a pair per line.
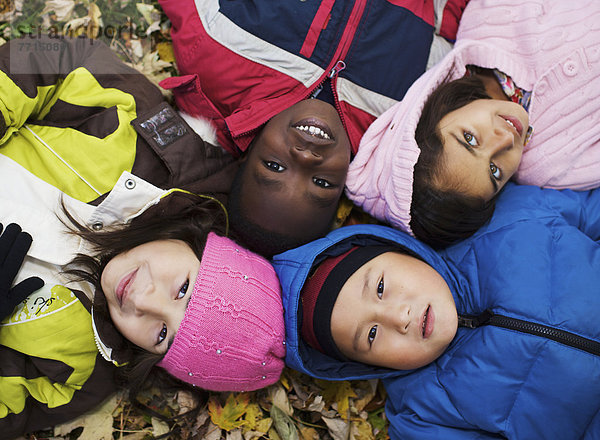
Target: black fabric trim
2,127
17,364
331,289
107,332
93,121
171,154
100,385
83,299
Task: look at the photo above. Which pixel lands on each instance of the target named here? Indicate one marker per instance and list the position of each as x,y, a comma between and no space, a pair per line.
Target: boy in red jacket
252,67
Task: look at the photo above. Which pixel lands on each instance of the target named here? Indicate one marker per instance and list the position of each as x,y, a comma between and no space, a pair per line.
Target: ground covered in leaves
297,407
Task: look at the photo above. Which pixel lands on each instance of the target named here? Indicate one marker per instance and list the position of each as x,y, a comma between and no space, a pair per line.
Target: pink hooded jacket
549,47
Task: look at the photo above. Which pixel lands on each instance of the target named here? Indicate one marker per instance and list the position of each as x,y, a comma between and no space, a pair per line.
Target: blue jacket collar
294,266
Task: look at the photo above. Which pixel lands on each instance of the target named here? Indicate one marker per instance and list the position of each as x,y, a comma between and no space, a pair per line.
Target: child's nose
306,155
399,317
148,302
502,139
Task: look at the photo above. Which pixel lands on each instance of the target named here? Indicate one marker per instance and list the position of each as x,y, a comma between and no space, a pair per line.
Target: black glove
14,245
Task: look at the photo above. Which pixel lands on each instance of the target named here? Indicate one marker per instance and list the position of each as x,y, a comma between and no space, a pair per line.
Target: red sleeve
451,16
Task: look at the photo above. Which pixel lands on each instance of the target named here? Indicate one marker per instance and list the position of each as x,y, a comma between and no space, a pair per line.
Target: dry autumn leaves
297,407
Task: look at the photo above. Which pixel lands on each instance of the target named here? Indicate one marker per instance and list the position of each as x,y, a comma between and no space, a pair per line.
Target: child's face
483,144
395,311
296,169
147,290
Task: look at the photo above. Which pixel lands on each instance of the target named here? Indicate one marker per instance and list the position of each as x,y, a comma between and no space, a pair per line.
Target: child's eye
372,334
183,290
496,172
380,287
470,139
162,335
274,166
322,182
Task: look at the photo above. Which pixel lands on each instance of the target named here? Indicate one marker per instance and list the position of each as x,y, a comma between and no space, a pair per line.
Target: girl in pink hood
433,164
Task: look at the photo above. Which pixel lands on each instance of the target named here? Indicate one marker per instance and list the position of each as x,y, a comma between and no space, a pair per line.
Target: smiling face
395,311
147,290
295,171
483,144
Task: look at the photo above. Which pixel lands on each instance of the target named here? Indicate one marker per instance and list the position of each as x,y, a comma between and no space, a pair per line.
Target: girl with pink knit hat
518,97
176,303
172,291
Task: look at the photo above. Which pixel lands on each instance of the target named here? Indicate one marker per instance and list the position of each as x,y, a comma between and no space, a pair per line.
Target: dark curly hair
440,217
257,238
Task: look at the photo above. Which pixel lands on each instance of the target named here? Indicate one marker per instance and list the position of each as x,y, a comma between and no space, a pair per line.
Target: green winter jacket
80,126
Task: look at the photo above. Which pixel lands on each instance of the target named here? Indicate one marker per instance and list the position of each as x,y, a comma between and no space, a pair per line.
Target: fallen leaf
308,395
159,427
309,433
201,418
285,380
273,434
283,424
97,424
280,399
146,11
340,393
234,435
251,435
227,417
264,425
338,428
152,67
154,27
63,9
137,49
165,52
318,404
7,9
365,390
253,415
95,23
361,430
186,401
135,436
343,211
213,432
379,422
75,27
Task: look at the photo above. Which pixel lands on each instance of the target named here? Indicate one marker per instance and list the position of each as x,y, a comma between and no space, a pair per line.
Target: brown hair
439,217
179,216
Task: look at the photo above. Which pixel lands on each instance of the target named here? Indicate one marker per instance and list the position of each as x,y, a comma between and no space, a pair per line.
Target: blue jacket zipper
561,336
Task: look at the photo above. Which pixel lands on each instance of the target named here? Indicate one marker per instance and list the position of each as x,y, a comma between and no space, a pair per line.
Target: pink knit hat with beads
232,337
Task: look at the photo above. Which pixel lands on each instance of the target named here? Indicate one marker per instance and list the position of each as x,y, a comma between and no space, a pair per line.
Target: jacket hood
294,266
380,177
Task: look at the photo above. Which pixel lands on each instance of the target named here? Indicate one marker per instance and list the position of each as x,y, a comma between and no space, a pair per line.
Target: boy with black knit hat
477,341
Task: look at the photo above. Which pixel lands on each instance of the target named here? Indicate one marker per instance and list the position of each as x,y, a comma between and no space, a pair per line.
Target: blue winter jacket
532,369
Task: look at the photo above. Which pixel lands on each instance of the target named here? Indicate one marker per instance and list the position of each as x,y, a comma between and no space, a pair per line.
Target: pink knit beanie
232,335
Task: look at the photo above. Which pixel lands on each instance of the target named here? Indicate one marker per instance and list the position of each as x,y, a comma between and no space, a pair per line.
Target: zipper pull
316,92
339,66
475,321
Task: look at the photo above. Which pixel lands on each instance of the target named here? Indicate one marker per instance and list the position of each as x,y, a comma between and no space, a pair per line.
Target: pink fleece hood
380,177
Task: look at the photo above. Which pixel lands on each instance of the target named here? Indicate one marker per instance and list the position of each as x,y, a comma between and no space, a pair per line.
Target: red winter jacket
244,61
